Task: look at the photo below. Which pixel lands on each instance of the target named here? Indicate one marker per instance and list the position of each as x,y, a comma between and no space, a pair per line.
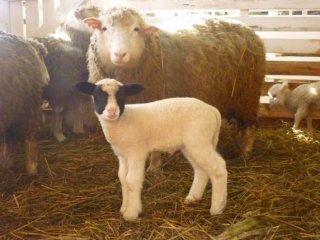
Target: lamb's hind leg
298,116
199,183
214,165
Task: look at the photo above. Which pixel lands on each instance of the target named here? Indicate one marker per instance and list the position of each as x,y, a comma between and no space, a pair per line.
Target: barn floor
275,195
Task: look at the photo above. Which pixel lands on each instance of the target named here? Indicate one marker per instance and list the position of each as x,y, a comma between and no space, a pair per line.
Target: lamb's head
109,96
277,93
121,37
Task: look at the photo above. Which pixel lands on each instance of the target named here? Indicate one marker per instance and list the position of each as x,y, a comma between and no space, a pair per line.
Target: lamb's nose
111,111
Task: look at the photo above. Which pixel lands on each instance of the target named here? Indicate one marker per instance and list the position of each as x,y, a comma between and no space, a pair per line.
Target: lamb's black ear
86,87
132,89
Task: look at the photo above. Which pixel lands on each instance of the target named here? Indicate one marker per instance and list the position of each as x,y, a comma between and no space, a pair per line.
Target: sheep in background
66,63
301,101
23,76
169,125
220,63
65,66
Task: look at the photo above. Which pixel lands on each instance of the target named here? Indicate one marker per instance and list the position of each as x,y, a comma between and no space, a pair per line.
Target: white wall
4,16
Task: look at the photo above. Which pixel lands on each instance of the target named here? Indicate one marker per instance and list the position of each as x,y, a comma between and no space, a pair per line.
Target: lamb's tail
216,134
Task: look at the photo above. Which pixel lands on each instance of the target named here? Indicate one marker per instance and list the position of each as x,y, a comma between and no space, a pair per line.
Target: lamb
168,125
220,63
23,76
301,101
66,63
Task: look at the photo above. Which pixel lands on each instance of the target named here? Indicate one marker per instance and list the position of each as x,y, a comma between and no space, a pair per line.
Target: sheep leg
214,165
199,183
247,140
134,180
155,162
309,124
5,155
31,155
298,116
78,119
122,173
57,124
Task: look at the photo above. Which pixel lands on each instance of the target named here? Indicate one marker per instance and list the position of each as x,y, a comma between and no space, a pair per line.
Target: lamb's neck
110,129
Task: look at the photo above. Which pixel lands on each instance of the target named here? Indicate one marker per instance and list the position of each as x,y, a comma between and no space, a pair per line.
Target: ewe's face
124,40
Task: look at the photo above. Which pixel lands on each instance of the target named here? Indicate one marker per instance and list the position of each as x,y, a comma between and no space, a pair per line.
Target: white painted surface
4,16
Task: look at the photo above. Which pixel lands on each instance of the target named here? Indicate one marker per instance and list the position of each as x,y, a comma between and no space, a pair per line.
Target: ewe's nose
120,55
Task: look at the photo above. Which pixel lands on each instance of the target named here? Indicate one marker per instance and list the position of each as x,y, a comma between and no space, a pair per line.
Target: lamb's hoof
123,209
191,199
60,137
130,216
215,210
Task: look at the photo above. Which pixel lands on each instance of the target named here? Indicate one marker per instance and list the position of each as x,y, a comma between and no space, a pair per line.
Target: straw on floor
275,195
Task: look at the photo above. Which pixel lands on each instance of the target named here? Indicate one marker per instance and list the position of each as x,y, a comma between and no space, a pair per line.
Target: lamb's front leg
122,174
134,181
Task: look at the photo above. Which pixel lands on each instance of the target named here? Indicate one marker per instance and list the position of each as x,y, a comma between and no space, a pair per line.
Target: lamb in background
169,125
301,101
23,76
220,63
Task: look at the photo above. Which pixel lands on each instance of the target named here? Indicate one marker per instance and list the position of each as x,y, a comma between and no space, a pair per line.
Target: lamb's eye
136,29
104,29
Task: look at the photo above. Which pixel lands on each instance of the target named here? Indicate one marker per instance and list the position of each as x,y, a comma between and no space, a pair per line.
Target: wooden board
218,4
293,68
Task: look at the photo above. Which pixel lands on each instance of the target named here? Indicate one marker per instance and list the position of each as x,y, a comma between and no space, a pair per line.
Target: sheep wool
23,76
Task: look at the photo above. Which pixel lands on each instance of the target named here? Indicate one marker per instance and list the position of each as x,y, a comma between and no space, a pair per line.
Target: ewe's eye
104,29
136,29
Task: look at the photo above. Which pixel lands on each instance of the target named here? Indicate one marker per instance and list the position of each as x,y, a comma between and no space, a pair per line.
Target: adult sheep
66,63
218,62
23,76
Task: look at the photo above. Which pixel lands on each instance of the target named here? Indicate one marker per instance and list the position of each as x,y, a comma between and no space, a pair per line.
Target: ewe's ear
86,87
149,30
77,14
93,22
132,89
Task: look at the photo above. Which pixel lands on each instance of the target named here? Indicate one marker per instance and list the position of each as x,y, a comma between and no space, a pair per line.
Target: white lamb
302,101
135,130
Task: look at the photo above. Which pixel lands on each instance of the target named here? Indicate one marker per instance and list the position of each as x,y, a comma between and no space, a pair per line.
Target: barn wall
4,16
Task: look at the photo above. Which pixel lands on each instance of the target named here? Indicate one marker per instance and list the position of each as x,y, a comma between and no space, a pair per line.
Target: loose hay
77,194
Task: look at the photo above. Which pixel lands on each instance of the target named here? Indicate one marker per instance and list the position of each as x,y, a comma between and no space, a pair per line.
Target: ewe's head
121,35
277,93
41,51
86,12
109,96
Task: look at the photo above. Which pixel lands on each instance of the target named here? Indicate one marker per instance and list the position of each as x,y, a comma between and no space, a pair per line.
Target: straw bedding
77,194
